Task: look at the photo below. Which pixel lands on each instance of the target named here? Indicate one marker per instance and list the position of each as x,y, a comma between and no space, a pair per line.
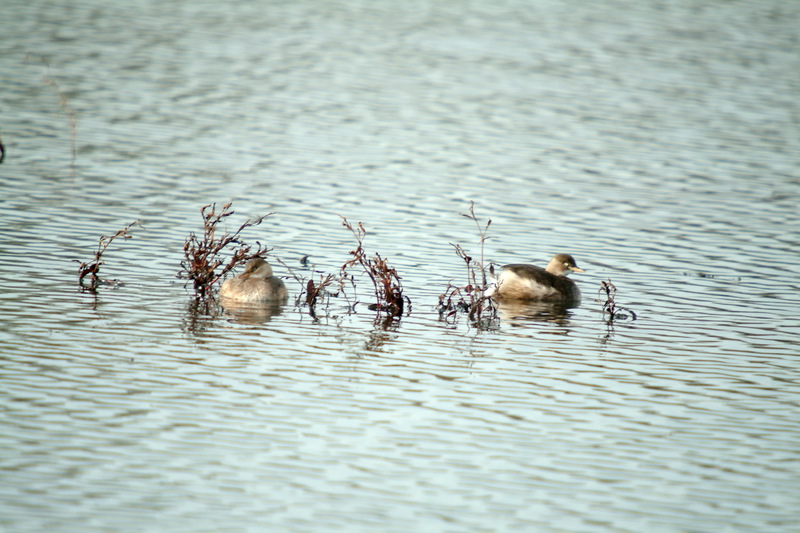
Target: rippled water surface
656,142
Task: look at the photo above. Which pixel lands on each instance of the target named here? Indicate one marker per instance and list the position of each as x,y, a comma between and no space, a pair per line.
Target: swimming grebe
255,285
529,282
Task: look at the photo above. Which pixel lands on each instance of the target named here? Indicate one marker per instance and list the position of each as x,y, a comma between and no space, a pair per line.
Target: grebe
256,284
529,282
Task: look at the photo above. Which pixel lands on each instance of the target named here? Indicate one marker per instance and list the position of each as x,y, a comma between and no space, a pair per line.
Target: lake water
657,142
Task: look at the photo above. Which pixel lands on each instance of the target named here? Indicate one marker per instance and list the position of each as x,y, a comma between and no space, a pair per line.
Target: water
657,143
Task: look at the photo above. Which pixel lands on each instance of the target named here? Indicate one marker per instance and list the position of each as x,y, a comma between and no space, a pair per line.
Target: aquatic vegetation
205,257
610,306
320,291
328,285
91,269
389,297
470,298
314,292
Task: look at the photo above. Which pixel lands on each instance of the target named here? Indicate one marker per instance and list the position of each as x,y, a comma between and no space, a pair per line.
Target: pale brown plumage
255,285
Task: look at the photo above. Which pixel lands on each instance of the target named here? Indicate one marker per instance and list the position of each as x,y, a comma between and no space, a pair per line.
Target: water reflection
384,331
608,141
515,312
611,323
200,315
252,314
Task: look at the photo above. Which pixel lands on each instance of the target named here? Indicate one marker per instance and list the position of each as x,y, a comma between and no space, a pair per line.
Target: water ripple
656,144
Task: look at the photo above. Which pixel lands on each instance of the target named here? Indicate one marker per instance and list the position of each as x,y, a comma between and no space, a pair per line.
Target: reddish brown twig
470,298
313,292
91,269
203,254
388,289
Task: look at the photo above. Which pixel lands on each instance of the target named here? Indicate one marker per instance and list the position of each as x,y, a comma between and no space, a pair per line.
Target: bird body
255,285
529,282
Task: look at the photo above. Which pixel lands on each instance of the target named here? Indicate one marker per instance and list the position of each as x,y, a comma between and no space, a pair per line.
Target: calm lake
656,142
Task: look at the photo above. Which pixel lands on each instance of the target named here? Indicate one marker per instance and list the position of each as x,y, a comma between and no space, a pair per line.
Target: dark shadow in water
516,312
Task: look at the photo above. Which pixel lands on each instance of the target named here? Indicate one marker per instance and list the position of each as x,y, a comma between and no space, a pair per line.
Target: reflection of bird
255,285
529,282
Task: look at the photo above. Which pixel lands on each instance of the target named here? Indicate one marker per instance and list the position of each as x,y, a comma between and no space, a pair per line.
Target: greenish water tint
656,143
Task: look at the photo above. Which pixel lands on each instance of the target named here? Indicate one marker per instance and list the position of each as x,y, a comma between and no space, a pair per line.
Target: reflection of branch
92,268
199,316
63,101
